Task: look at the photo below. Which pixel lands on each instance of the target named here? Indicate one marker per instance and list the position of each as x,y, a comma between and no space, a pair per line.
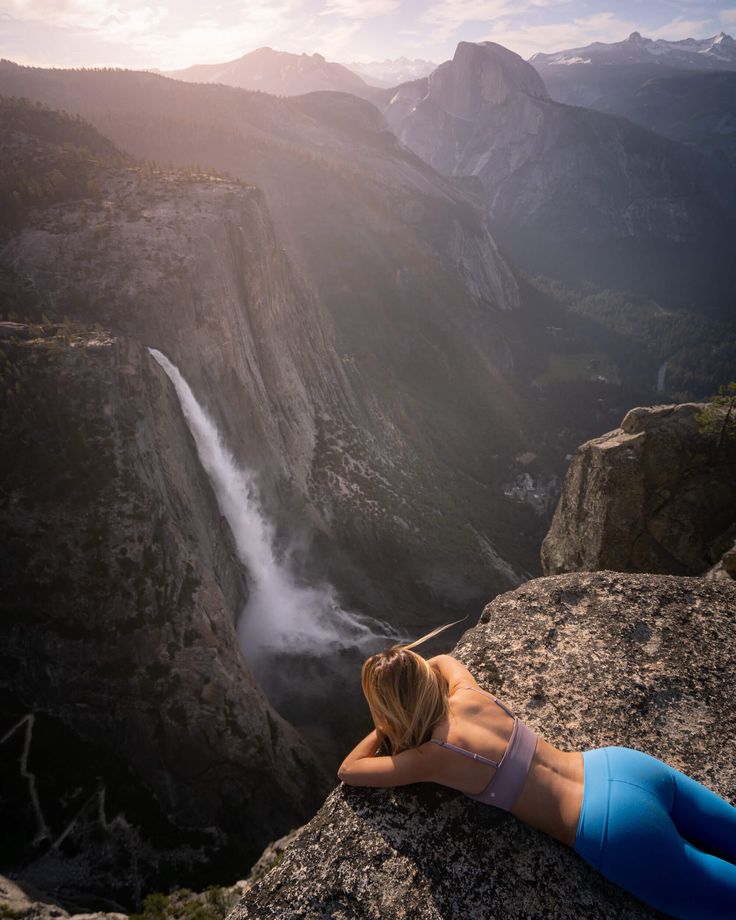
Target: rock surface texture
655,495
588,660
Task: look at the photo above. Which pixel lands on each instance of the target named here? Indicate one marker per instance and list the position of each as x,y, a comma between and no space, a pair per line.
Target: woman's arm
453,671
362,768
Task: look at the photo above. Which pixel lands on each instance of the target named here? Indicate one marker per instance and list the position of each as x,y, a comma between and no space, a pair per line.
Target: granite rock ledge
587,660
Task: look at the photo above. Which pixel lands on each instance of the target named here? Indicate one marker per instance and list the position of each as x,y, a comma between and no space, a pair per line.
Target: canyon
304,343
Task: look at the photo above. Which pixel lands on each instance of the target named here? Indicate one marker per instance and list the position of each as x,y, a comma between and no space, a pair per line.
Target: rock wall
360,366
587,660
655,495
136,750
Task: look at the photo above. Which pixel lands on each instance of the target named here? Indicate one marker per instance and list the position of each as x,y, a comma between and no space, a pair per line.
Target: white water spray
281,615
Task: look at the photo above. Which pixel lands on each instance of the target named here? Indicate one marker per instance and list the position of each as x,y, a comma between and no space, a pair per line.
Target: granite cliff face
655,495
137,750
359,366
115,550
587,660
556,178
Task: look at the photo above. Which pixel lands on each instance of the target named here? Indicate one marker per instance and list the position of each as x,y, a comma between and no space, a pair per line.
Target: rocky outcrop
655,495
136,750
587,660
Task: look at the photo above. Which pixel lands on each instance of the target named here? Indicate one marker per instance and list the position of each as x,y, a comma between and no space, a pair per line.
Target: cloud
360,9
728,17
147,35
106,18
680,28
582,31
331,42
558,36
448,16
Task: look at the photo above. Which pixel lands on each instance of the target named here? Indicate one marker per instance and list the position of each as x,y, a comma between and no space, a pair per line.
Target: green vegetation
583,366
637,335
51,157
213,903
719,417
7,913
48,157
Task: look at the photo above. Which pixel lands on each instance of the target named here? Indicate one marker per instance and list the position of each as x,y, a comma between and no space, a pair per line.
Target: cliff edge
587,660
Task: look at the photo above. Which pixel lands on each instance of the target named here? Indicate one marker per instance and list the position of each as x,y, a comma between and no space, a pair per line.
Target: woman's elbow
343,774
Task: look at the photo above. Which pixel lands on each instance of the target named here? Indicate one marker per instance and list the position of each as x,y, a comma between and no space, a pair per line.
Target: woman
644,825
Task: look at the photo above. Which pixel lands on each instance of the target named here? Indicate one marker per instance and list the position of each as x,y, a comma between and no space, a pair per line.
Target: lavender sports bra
511,770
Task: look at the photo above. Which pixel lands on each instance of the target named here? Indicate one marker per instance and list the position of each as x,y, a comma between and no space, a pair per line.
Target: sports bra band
512,769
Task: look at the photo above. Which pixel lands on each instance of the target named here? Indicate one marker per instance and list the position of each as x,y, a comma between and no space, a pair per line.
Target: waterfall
281,616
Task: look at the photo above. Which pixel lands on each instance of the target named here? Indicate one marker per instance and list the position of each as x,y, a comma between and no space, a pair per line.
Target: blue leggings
659,834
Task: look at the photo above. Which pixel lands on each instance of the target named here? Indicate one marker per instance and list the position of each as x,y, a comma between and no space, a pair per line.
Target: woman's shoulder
454,672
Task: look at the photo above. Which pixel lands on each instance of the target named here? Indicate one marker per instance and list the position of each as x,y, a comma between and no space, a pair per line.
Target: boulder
587,660
655,495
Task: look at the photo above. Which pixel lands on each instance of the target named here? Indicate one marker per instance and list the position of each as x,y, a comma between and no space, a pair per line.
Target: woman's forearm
365,748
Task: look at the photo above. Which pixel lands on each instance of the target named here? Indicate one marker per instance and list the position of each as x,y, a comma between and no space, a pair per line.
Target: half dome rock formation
656,495
562,184
588,660
546,167
136,750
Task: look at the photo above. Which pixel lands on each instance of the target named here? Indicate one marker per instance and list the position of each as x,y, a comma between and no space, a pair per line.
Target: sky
169,34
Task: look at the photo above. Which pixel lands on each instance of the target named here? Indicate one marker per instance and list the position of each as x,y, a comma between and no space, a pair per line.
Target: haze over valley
296,350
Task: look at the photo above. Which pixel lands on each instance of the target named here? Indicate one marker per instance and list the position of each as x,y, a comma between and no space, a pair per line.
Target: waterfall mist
303,647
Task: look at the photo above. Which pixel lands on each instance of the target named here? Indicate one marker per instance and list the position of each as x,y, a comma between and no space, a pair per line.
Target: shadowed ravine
293,636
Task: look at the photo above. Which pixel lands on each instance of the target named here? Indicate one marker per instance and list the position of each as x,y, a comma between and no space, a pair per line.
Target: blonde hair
405,695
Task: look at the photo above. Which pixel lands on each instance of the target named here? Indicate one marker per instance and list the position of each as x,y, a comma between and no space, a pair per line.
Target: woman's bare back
552,795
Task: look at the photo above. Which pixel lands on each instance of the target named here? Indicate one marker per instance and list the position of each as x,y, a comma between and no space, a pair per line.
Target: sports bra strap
459,750
463,751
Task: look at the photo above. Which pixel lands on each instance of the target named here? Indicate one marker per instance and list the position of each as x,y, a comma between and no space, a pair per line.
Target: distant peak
482,73
637,37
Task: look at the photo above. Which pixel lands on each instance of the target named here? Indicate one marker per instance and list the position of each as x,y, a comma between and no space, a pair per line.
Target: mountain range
684,90
279,72
391,72
715,53
570,190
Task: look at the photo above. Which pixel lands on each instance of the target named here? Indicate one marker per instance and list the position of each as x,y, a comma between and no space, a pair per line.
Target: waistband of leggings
592,826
